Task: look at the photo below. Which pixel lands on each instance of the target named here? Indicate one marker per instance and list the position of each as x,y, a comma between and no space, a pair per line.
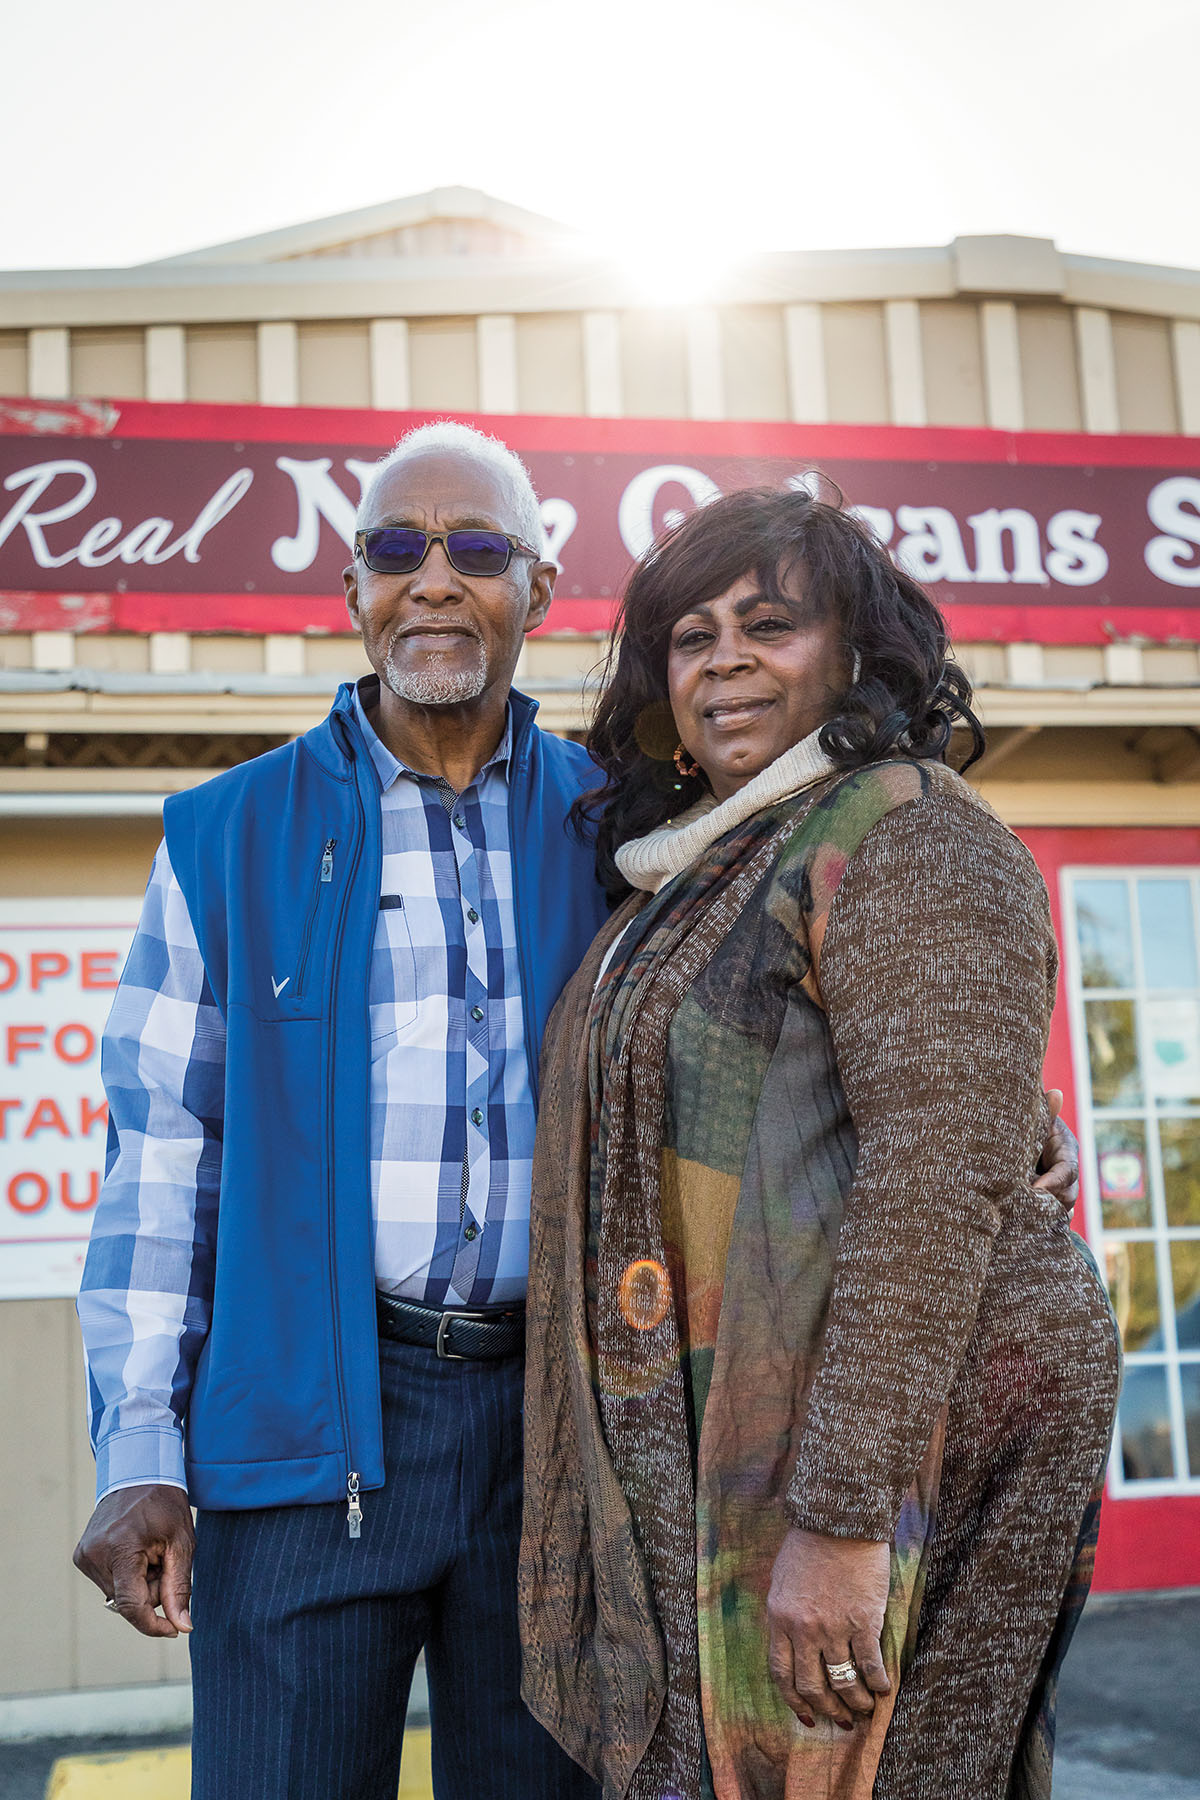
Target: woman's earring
684,763
856,670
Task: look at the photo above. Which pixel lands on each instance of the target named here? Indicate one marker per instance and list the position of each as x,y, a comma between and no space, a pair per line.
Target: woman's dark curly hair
907,697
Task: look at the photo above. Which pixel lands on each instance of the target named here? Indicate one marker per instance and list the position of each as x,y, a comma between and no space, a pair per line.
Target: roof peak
347,232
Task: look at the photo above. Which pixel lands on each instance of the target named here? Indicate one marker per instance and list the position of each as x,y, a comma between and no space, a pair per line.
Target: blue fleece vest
285,1406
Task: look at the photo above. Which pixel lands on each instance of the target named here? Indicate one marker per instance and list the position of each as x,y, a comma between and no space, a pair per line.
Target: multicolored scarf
666,1392
652,1379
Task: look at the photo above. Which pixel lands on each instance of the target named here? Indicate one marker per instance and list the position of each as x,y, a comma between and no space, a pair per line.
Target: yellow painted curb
136,1775
167,1774
416,1782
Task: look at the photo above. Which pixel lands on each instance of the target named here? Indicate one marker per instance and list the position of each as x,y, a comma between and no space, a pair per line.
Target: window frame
1158,1233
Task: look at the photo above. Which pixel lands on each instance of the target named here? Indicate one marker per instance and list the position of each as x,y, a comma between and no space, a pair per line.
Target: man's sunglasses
399,549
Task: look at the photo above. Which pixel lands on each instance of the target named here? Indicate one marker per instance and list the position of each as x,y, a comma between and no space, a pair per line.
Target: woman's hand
826,1606
1057,1172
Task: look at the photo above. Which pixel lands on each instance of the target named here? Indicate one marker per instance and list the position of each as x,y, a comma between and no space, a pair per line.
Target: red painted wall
1152,1543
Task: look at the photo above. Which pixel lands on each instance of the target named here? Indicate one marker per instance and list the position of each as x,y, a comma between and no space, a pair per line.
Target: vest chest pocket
319,902
281,972
393,981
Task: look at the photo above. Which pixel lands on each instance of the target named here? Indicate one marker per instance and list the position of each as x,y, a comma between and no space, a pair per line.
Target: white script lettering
1075,558
635,514
932,548
559,519
877,519
989,528
35,481
144,542
318,497
1174,506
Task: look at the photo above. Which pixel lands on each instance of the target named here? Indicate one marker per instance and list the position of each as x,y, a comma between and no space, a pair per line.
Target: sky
694,131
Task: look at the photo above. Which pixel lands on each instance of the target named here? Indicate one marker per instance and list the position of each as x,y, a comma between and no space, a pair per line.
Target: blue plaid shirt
452,1113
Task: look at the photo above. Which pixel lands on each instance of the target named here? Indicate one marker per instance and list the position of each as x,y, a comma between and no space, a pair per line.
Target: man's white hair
449,434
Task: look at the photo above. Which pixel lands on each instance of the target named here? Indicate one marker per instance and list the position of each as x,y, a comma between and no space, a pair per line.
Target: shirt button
477,1013
471,1233
460,822
472,915
477,1117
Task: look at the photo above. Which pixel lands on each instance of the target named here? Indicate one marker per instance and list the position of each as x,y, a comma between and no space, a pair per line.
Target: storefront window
1133,960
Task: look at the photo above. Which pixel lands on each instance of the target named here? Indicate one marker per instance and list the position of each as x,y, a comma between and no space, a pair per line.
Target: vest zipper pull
327,860
353,1509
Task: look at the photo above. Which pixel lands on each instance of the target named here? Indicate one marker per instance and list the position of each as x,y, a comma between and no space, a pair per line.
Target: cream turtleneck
651,861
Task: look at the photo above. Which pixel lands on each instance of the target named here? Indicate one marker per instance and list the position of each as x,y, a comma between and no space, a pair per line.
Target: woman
820,1387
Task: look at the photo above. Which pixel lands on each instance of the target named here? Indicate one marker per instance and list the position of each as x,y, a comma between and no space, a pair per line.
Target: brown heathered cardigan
820,1048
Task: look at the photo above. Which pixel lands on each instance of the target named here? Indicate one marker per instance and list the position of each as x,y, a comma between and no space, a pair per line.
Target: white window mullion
1158,1196
1175,1403
1077,997
1153,1163
1093,1206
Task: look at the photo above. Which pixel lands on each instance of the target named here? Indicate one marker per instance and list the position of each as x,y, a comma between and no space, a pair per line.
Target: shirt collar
389,767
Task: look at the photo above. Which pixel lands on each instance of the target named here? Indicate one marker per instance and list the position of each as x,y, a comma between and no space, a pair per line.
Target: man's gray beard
434,686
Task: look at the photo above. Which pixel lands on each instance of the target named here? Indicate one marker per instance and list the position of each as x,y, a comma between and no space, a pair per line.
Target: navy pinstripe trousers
305,1641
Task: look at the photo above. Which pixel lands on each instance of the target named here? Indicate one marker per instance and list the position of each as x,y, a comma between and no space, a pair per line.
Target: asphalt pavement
1128,1719
1129,1702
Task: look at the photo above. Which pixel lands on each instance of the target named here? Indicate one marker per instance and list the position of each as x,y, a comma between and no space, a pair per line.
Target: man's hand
137,1548
1058,1171
826,1606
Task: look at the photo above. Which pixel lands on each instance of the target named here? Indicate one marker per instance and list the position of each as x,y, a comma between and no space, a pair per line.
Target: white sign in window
59,965
1133,963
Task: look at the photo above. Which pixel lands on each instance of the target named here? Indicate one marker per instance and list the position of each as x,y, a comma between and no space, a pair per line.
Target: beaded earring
684,763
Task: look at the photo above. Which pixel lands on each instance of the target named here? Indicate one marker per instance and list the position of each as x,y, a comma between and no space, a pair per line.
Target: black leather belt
457,1336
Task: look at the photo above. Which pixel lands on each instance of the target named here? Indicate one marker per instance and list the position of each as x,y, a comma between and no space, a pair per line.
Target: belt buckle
444,1354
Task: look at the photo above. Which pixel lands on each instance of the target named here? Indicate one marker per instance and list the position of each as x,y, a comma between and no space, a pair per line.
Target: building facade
182,445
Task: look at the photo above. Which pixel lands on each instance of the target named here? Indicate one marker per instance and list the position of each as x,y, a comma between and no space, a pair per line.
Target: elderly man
311,1247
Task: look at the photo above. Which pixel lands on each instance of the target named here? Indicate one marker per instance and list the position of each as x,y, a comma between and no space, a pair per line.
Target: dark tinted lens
477,552
394,549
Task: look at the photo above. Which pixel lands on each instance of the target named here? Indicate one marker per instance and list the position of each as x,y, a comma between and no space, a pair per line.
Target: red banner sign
122,516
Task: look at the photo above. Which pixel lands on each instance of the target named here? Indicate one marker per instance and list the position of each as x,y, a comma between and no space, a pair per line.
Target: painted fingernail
811,1723
844,1724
